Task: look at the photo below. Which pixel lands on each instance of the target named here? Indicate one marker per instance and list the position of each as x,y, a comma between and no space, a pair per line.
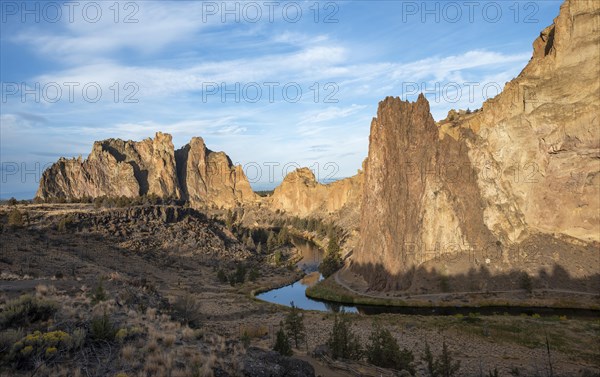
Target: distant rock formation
208,177
482,183
301,195
149,167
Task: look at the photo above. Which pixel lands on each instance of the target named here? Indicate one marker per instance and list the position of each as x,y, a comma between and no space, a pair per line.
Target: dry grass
128,352
254,331
152,346
169,340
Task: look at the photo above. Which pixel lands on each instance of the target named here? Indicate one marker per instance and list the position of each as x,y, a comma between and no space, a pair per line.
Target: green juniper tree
282,342
333,260
294,324
342,342
383,350
444,365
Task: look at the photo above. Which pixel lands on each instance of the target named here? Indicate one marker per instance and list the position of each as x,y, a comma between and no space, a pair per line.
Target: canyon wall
149,167
476,186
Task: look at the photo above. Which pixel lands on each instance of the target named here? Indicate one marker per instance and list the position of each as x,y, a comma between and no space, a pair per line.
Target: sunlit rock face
149,167
209,177
301,195
478,187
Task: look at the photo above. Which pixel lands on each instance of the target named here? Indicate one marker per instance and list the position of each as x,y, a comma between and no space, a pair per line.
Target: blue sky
302,80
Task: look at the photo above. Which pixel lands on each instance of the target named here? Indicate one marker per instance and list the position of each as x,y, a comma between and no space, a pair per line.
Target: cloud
330,113
151,27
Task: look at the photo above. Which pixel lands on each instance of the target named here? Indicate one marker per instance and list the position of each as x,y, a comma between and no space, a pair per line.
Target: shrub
101,328
253,274
8,338
15,218
239,276
294,324
78,338
39,346
282,342
187,310
383,350
342,341
12,201
65,223
221,276
121,335
246,340
25,310
99,293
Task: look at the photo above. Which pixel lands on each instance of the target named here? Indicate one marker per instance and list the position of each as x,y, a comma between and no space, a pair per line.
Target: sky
276,85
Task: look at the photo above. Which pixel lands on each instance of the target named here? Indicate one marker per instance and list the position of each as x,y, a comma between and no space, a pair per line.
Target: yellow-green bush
39,345
121,335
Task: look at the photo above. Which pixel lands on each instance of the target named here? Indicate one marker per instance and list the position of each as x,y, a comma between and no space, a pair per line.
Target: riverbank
336,289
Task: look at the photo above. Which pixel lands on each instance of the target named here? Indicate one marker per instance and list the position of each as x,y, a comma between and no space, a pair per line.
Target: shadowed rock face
528,163
149,167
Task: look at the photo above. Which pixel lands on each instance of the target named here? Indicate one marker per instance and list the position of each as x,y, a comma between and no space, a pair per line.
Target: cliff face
209,177
301,195
152,166
527,166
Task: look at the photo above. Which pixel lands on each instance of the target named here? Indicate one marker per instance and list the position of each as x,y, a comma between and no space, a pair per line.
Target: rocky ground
153,272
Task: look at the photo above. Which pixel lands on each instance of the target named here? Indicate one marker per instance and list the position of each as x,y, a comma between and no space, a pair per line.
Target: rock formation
301,195
208,177
149,167
526,166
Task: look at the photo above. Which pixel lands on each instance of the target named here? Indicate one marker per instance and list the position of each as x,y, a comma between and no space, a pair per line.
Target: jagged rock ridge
149,167
301,195
527,164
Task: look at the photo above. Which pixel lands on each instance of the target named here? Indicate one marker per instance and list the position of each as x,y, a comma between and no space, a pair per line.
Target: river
311,258
296,292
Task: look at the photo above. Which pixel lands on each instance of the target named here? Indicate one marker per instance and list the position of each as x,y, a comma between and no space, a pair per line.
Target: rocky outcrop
149,167
301,195
526,164
209,177
259,363
159,227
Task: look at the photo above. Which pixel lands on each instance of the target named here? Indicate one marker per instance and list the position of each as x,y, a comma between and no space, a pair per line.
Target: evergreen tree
383,350
429,361
342,341
445,365
229,220
282,237
282,343
271,241
333,260
294,324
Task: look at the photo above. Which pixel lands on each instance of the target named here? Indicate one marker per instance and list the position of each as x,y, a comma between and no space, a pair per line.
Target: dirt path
339,280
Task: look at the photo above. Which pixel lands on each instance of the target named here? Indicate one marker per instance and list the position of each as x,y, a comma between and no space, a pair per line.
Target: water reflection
296,292
311,254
